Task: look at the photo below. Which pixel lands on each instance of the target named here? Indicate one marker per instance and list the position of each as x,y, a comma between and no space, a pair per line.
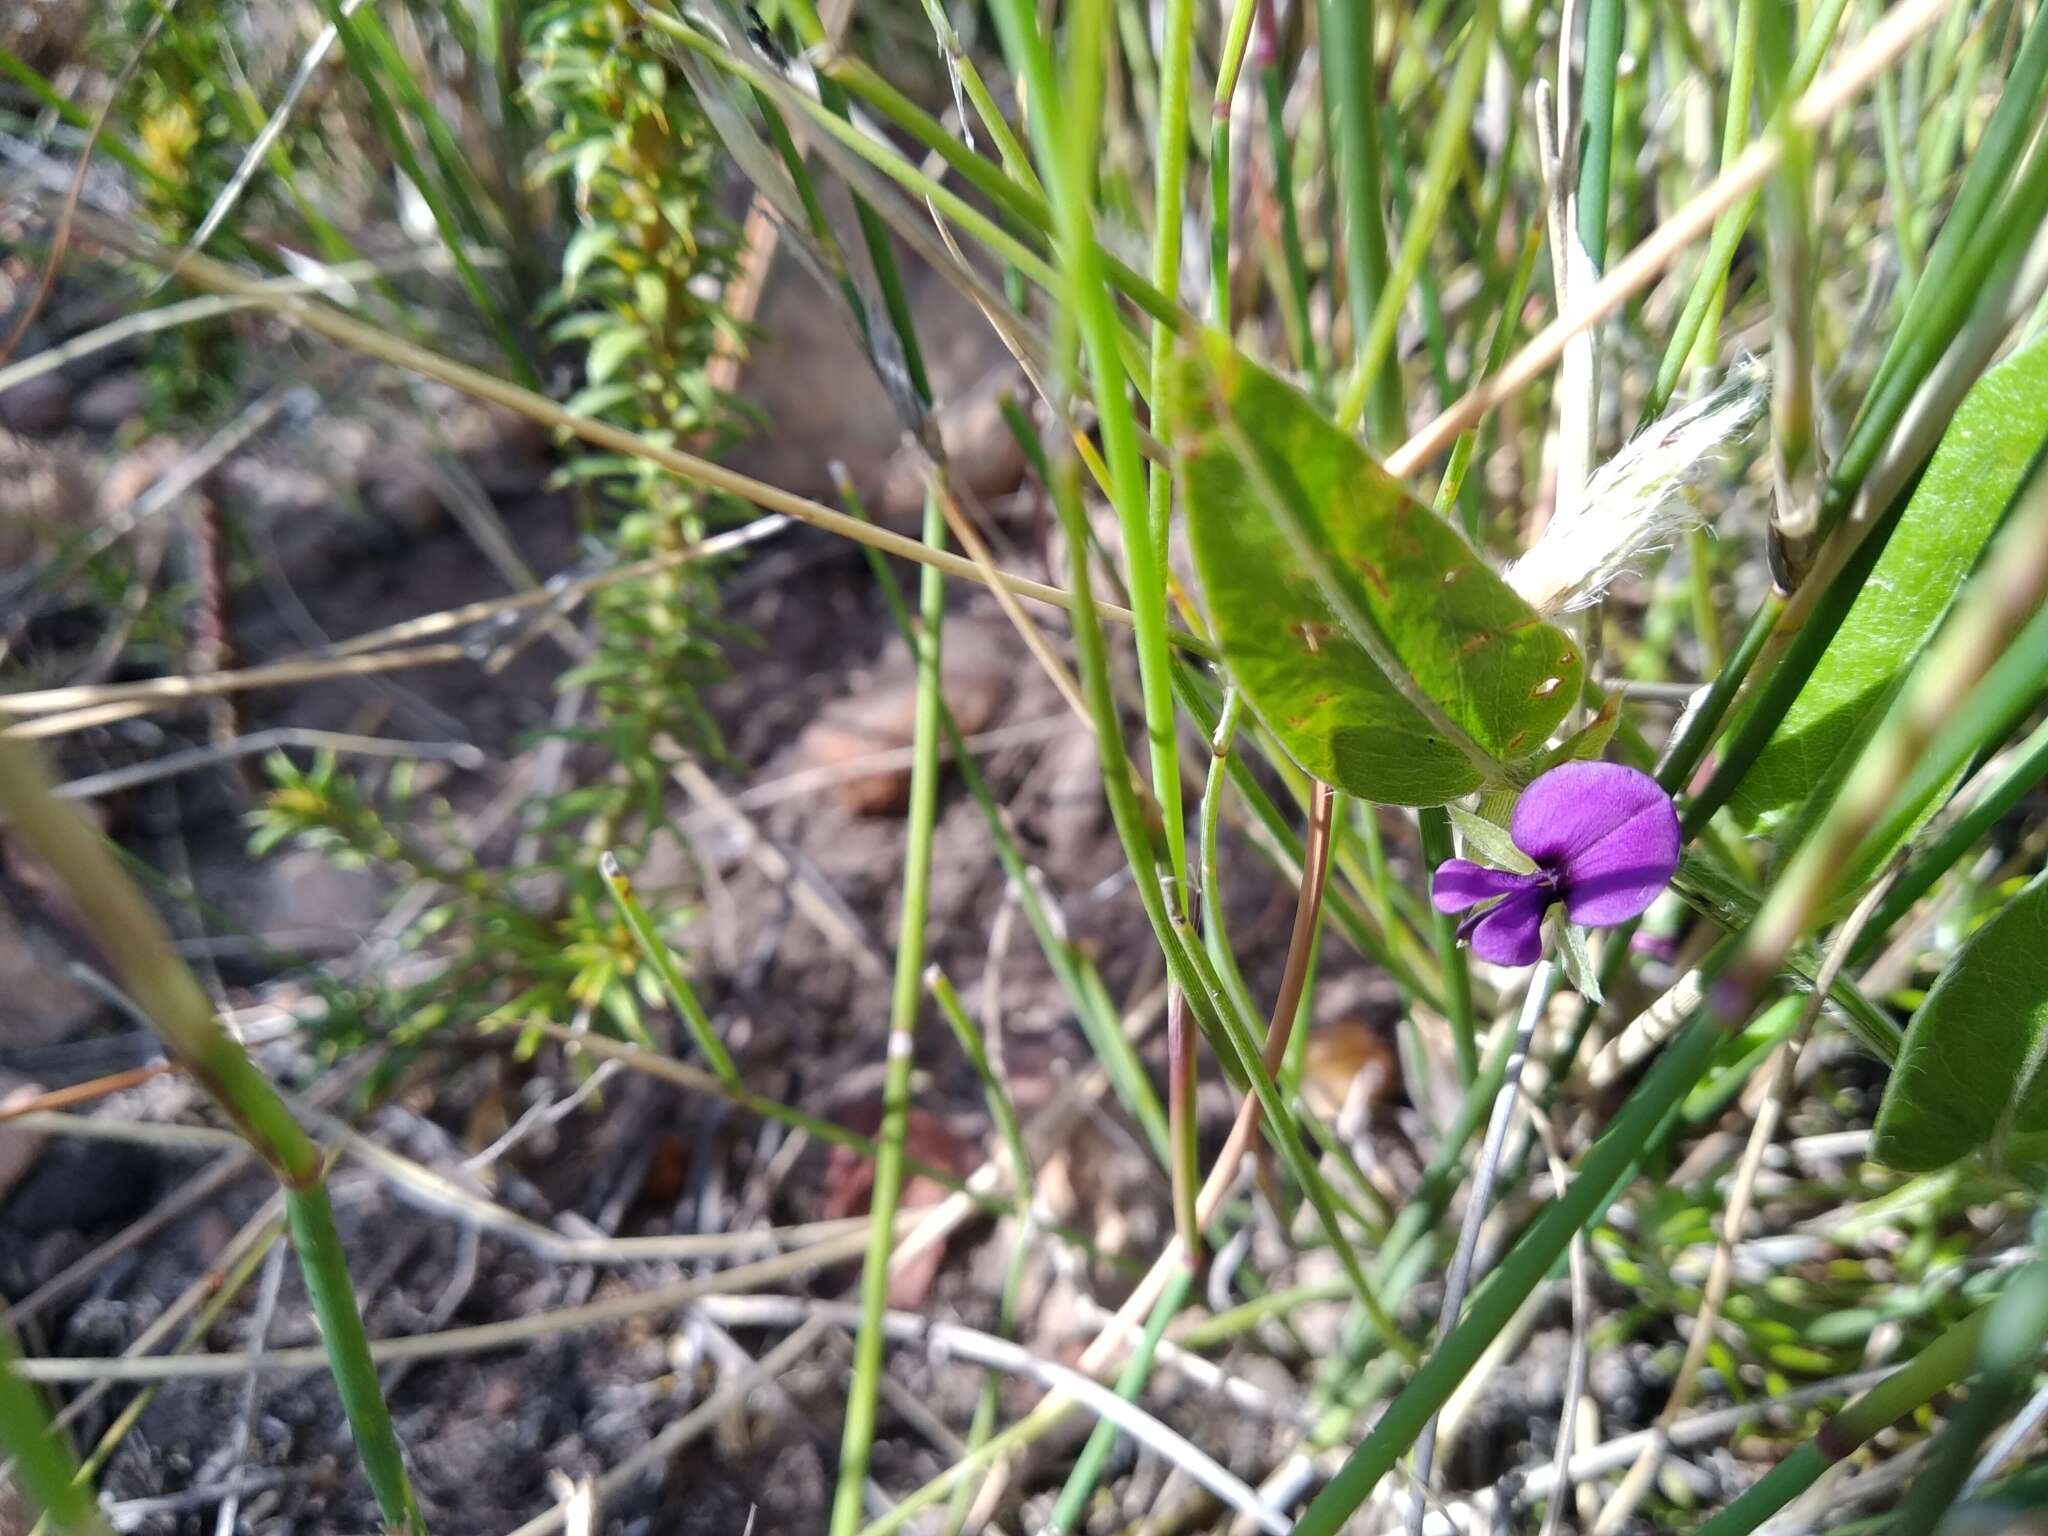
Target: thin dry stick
1013,1359
147,322
423,1186
82,1093
461,753
814,898
252,158
938,484
75,720
165,690
1900,27
561,590
204,272
128,327
455,1342
1784,1063
1700,1429
238,1437
139,1133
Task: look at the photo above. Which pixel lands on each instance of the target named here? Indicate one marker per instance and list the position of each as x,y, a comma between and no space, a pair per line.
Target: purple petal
1460,883
1608,834
1512,932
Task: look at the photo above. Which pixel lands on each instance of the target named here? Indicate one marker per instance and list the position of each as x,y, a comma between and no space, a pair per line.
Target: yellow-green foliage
640,298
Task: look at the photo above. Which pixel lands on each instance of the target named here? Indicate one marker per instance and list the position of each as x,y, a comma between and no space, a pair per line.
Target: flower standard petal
1459,883
1511,933
1607,833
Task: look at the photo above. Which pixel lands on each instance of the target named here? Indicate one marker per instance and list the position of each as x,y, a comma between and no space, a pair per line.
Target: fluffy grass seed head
1639,500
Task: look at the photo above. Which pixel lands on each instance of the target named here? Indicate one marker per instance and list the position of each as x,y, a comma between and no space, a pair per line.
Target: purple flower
1604,840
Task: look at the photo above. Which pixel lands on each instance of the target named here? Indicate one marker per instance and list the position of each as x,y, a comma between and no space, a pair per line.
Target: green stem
1183,1124
682,997
858,1438
2008,1351
1742,56
1274,89
1242,15
1351,96
1506,326
133,937
1676,771
1776,694
1176,67
1066,144
42,1460
1448,146
1933,1371
1000,1109
325,1268
1209,819
1596,139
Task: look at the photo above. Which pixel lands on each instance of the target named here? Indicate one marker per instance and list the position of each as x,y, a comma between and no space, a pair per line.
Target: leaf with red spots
1477,652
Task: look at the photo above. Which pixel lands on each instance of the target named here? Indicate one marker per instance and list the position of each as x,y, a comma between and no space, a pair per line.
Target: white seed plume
1638,500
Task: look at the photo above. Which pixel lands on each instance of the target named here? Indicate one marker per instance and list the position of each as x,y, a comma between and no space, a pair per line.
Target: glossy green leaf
1969,1074
1315,560
1976,468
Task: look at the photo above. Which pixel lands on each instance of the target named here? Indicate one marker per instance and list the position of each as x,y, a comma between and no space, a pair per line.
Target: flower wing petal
1459,883
1607,832
1512,933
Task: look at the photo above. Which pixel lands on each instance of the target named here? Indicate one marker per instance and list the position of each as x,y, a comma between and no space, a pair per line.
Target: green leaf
612,349
596,401
1315,561
1490,841
650,295
585,246
1976,468
1969,1074
1568,947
